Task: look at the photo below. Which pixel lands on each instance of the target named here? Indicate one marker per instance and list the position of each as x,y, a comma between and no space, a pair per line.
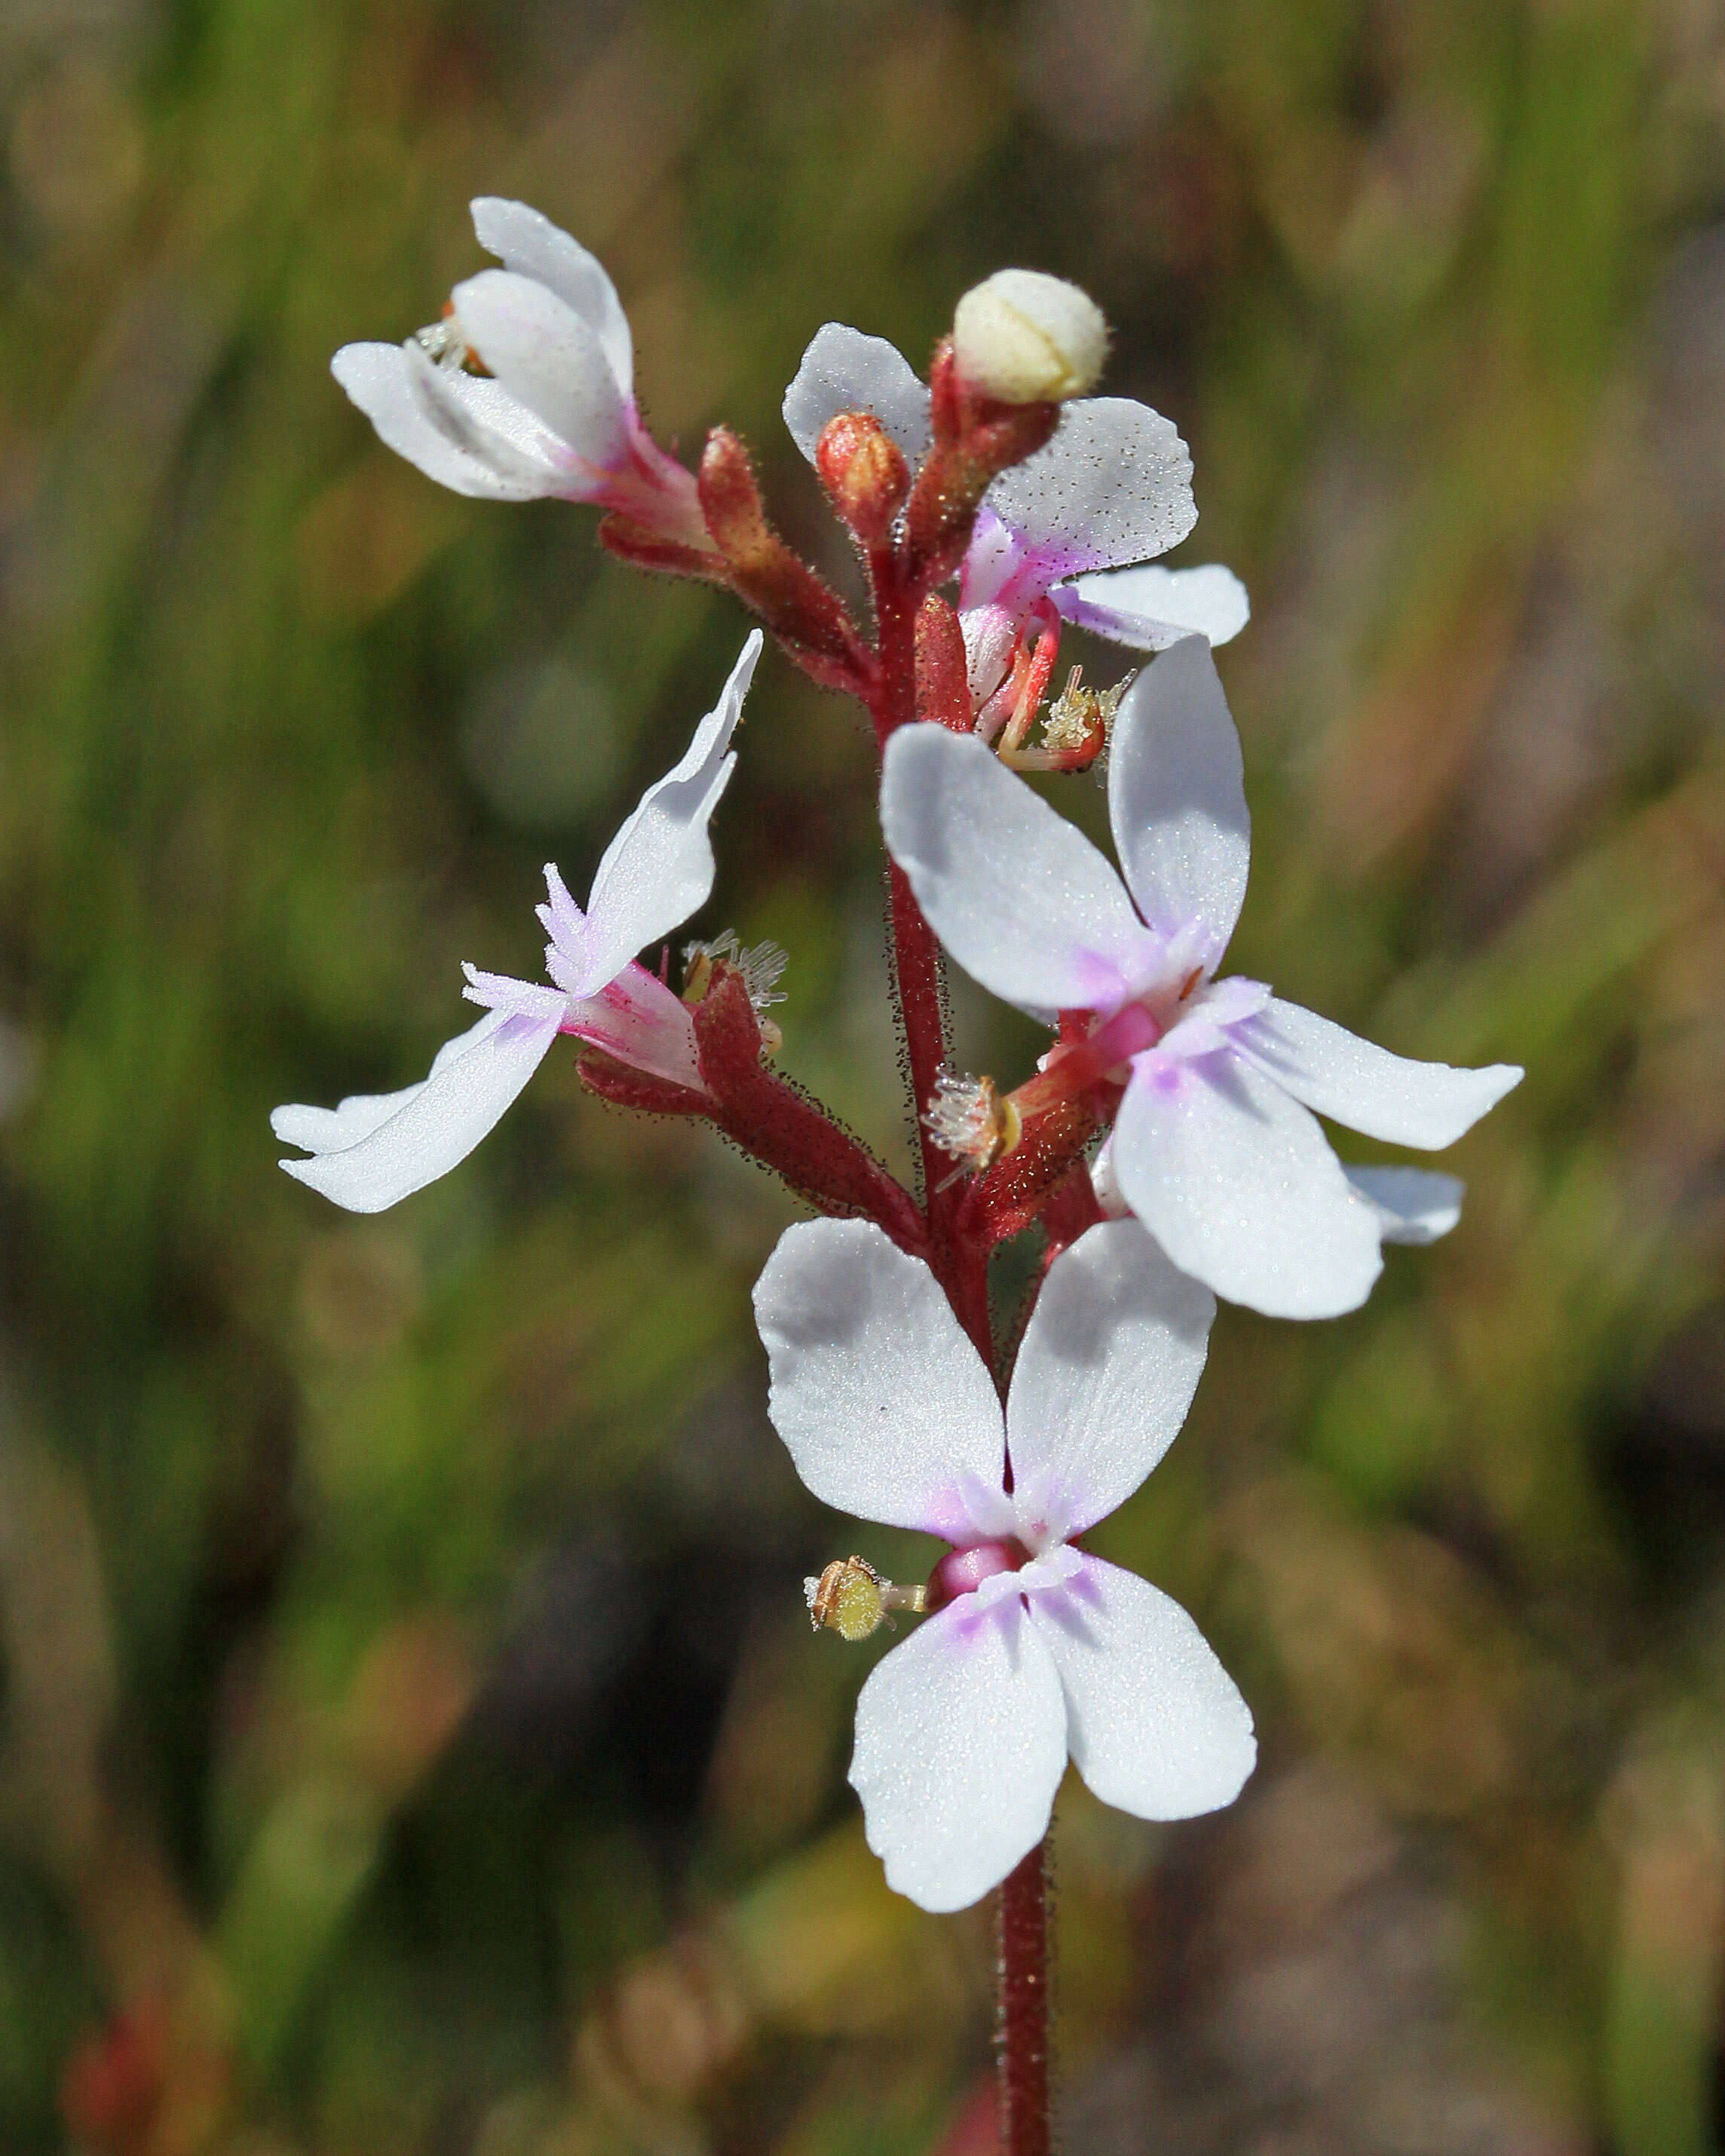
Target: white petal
427,1128
1110,1361
1413,1204
884,1403
1149,608
643,1023
1019,896
844,371
660,867
1114,485
480,417
961,1743
1156,1725
528,243
543,353
380,378
327,1130
1238,1184
1177,797
1393,1097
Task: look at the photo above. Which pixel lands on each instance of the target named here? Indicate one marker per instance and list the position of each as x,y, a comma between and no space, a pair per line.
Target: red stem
1025,2115
960,1260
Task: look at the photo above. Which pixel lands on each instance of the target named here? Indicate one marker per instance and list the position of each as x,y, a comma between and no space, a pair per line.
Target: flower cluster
1168,1146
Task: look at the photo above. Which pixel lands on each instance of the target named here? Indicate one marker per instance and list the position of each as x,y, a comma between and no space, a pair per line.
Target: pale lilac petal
1393,1097
430,1126
641,1021
1413,1204
1237,1183
1111,1360
660,867
384,380
961,1743
327,1130
1211,1015
884,1403
1155,1724
528,243
1019,896
1177,797
845,371
1114,485
1149,608
544,354
990,634
480,416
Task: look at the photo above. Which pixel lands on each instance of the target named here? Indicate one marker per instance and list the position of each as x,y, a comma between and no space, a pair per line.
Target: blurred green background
413,1743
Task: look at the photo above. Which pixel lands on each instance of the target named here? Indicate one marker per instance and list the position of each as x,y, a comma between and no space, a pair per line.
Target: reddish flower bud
805,617
863,470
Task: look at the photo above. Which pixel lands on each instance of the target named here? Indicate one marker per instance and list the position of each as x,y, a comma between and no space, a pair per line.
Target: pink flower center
962,1571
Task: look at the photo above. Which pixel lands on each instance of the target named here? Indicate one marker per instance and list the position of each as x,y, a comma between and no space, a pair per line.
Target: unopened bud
863,470
1023,337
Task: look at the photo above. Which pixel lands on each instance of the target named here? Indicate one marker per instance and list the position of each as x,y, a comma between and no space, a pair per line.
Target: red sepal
942,677
958,474
644,549
629,1088
1013,1192
807,618
784,1129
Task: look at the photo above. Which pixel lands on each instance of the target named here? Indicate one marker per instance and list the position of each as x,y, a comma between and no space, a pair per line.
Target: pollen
761,967
968,1119
445,343
851,1598
1076,728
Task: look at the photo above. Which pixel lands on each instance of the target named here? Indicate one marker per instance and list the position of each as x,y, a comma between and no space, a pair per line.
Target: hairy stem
960,1260
1023,2033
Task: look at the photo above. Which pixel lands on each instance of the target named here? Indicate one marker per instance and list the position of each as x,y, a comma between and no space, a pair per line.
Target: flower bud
863,470
1024,338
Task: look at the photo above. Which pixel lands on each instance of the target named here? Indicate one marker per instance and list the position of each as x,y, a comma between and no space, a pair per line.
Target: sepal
942,680
807,618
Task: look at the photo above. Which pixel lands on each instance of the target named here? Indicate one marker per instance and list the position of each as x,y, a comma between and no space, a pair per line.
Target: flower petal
1238,1184
641,1021
1413,1204
1177,797
884,1403
1352,1082
374,1150
961,1743
1019,896
384,380
1114,485
544,354
844,371
660,867
1155,1724
528,243
1110,1361
1149,608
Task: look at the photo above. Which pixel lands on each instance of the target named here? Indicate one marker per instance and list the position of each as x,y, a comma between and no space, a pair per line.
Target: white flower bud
1025,338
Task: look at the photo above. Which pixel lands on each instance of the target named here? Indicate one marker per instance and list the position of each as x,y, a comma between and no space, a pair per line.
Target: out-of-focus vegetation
412,1737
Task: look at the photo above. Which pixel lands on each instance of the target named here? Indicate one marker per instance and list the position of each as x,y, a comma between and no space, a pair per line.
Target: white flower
555,414
1216,1146
375,1149
1022,336
1113,487
963,1732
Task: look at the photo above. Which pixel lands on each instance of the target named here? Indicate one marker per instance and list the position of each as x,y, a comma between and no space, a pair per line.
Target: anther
761,967
970,1120
851,1598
